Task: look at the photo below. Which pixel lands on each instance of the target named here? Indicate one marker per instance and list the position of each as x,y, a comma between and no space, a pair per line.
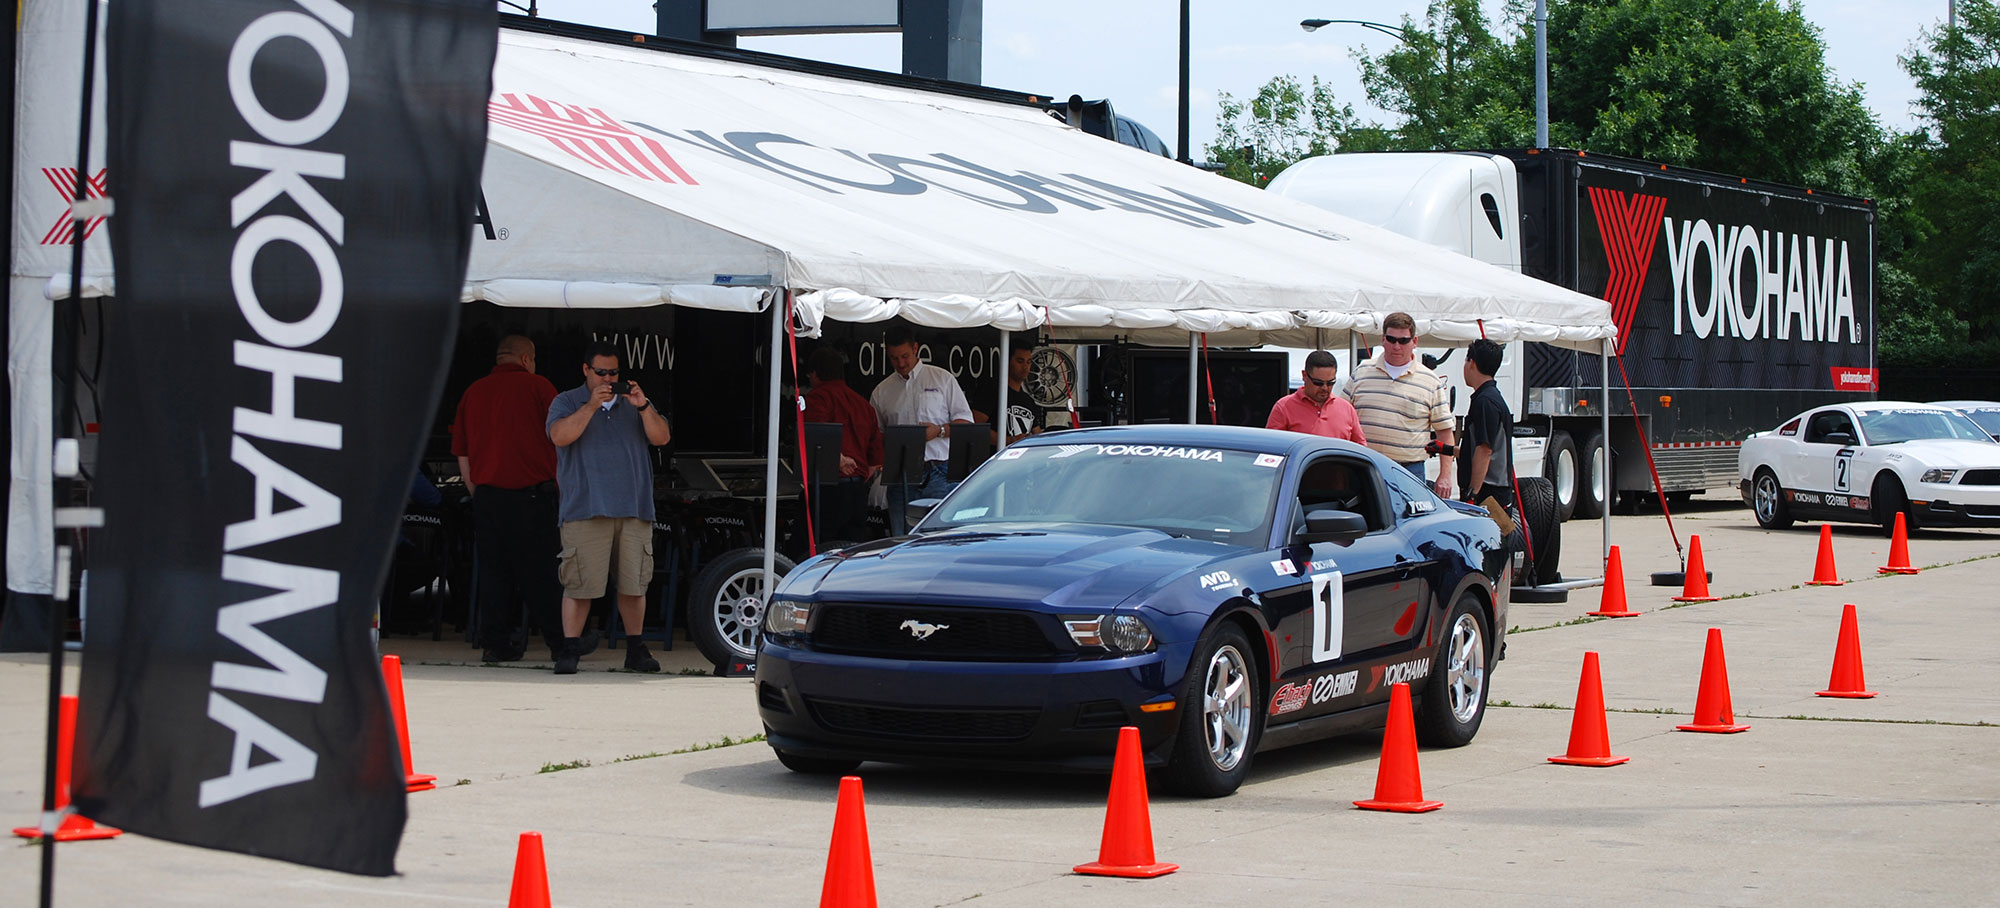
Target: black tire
1767,500
1564,473
1593,474
1888,499
1454,697
1208,761
815,766
1538,511
724,626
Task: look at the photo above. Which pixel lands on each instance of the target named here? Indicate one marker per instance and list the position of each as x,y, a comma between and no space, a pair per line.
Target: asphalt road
1823,802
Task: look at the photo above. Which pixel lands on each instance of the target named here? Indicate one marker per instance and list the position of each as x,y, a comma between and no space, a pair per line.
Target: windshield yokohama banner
295,183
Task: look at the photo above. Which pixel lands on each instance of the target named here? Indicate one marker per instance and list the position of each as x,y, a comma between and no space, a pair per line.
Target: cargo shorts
587,550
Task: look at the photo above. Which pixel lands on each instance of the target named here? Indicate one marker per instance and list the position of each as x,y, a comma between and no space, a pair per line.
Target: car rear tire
1593,487
1222,717
1889,500
1564,473
1454,698
725,616
1767,501
815,766
1538,511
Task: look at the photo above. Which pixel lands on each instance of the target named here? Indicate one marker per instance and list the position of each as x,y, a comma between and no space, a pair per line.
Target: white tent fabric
623,176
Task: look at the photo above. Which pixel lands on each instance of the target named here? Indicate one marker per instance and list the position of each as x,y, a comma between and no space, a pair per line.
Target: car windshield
1207,493
1988,419
1888,427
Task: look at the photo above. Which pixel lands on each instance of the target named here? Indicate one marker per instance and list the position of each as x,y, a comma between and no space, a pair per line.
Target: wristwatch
643,407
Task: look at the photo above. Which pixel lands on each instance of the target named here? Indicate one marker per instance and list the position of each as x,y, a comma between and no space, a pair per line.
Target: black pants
516,537
843,508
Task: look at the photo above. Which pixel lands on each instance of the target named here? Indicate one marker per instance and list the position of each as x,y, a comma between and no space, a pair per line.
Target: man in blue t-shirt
601,430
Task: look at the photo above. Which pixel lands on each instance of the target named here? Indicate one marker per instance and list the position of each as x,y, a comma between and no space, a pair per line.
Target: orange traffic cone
1696,587
1613,603
1127,847
1824,573
850,872
1848,680
531,874
74,827
392,676
1899,551
1589,736
1398,785
1712,711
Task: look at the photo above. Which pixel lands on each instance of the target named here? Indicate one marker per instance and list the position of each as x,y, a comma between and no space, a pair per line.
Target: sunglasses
1324,384
1396,340
605,373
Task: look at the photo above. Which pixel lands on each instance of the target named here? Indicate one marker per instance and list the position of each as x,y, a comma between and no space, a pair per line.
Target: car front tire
1889,499
1454,698
1221,717
1767,501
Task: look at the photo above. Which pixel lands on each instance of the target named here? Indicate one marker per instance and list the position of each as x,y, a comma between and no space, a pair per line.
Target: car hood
1948,452
1068,568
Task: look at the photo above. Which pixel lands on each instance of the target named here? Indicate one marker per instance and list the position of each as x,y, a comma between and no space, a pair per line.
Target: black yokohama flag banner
295,182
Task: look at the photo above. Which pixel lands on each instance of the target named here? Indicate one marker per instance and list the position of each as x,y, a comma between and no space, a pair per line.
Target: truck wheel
1538,511
725,614
1562,471
1593,487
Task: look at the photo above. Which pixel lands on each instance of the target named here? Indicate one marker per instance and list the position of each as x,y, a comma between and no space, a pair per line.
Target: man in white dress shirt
918,394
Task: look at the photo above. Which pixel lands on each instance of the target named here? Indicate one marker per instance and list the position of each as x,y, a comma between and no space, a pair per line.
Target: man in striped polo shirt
1401,402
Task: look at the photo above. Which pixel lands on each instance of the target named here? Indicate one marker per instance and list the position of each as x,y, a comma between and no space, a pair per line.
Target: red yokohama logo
1630,228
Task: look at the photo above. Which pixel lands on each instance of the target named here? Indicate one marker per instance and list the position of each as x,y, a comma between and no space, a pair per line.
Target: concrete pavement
1819,810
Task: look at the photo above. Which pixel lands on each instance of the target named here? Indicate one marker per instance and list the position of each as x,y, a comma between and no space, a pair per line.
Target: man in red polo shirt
831,400
1313,409
509,466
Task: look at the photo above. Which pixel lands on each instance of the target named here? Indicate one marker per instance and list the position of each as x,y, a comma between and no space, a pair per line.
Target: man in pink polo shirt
1313,409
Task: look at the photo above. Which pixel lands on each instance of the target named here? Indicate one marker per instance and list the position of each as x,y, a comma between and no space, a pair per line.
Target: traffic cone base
1127,847
1721,729
531,874
1899,551
1847,694
417,782
1399,787
1848,680
1613,603
1696,587
73,829
1589,736
1824,573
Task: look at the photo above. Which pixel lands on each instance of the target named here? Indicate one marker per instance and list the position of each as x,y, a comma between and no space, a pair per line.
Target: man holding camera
602,430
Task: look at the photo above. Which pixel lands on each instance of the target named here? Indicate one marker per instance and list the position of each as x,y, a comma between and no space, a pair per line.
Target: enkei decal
1329,616
1836,501
1329,687
1270,460
1011,454
1398,673
1218,578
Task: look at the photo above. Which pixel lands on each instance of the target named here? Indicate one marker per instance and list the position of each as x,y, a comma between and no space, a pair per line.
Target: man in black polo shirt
1486,457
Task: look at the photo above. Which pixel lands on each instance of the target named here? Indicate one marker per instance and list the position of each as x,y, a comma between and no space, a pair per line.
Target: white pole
1541,74
1006,372
781,309
1194,373
1604,425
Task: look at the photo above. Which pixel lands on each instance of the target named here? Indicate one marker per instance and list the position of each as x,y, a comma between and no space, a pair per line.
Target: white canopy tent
625,175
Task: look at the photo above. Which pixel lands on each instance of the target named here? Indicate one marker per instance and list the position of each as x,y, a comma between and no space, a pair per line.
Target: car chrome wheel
1766,498
1225,707
1465,674
739,610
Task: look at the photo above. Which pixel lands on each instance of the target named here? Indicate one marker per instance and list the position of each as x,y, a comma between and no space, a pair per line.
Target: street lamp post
1186,156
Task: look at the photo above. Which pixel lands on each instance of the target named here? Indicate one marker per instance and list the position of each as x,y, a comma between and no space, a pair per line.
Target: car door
1821,467
1332,605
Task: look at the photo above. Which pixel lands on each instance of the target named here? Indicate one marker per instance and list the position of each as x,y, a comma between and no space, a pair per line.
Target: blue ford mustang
1225,590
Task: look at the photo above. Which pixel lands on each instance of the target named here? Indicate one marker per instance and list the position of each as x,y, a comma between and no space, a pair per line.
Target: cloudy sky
1127,50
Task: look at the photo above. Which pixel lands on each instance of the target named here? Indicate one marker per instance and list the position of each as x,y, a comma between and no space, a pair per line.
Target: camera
1435,447
621,387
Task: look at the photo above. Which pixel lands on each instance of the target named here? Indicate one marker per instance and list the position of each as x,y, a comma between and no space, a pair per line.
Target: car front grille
971,725
1980,478
932,633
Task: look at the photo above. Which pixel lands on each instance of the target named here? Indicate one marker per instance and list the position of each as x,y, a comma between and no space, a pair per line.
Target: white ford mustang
1864,462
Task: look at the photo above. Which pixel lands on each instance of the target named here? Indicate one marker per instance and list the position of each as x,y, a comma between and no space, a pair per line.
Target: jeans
933,486
1416,469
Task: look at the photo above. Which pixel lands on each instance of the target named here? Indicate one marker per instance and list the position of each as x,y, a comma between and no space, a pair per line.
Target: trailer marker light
1666,400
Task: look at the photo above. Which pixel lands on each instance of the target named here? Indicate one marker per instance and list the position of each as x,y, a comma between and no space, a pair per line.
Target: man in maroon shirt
509,466
831,400
1313,409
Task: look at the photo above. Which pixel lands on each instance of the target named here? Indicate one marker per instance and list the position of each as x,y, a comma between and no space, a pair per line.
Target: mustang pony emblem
920,630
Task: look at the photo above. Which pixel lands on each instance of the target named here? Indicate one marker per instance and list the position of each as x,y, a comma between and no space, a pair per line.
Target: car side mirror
1839,438
1330,525
917,510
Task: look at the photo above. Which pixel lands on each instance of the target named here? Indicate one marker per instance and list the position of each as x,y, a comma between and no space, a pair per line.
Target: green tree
1282,123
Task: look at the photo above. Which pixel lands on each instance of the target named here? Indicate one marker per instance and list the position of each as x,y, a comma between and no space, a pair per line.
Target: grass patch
726,741
1500,703
1581,619
559,767
693,672
1979,724
461,782
644,756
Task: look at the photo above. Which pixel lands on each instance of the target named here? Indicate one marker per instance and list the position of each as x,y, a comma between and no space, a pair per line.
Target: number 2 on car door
1329,614
1841,464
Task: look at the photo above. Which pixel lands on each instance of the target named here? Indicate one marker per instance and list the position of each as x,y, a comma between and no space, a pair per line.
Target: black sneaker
641,660
502,654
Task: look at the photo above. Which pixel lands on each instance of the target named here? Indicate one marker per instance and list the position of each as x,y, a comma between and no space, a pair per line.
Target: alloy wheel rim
1225,708
1767,498
1466,672
739,612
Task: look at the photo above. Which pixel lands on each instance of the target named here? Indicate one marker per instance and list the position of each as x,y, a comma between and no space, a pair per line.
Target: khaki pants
587,549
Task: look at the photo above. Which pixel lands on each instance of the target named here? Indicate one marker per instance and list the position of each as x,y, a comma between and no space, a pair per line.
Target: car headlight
787,617
1116,633
1938,475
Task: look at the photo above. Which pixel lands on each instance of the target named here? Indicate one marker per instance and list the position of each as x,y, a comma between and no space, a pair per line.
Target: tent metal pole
1194,376
781,309
1604,427
1006,373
